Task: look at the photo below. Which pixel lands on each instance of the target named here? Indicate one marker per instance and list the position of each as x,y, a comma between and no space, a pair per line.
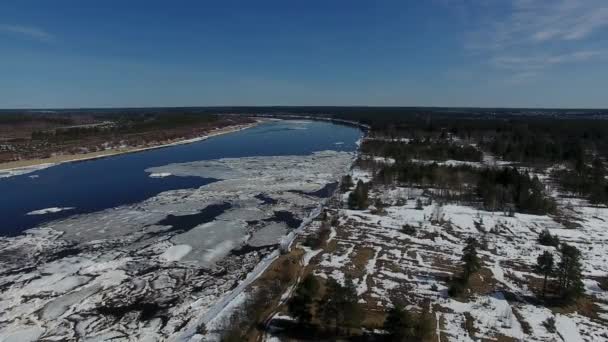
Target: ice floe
177,252
160,175
49,210
18,171
158,268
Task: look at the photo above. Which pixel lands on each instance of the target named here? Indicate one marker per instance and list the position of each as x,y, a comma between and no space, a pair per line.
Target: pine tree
329,310
353,313
358,198
544,267
419,204
569,272
399,324
346,184
545,238
424,323
598,182
300,305
470,259
340,304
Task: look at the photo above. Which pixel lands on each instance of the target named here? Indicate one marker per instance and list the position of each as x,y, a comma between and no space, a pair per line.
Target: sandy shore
64,158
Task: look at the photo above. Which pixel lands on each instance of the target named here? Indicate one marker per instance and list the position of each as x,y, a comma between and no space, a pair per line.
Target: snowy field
151,271
387,263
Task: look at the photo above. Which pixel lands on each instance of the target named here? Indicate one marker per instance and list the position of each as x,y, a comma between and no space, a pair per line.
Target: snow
220,319
160,175
23,334
567,329
309,254
49,210
332,234
18,171
417,266
491,313
176,253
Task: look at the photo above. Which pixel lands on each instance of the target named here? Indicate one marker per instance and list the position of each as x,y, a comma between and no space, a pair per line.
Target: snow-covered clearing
416,266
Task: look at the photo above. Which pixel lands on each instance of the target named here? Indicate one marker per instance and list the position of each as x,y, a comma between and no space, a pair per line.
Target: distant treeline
125,123
439,150
527,139
505,189
16,119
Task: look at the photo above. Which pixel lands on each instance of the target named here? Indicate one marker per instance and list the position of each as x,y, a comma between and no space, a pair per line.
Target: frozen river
88,186
148,246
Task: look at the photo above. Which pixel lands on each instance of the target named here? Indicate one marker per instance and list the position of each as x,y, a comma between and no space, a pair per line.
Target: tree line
439,150
502,189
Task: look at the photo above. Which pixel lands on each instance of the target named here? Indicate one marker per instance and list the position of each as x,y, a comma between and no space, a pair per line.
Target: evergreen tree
328,307
300,305
353,313
399,324
405,327
419,204
544,267
545,238
569,272
598,182
424,323
340,304
470,259
346,184
358,198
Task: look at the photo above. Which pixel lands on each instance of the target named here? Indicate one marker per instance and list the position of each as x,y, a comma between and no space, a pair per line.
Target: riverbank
30,165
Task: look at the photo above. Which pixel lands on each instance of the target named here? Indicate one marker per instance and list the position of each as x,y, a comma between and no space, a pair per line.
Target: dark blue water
104,183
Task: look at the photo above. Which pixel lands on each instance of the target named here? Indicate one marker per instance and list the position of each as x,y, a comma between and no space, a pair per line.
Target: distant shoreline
30,165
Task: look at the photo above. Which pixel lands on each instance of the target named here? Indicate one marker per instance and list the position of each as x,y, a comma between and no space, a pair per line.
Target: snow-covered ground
416,267
158,269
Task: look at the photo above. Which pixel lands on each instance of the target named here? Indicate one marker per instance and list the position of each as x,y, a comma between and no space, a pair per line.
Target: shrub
408,229
403,326
545,238
549,324
456,288
315,240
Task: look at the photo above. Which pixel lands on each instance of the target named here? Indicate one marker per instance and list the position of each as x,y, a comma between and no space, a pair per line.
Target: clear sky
503,53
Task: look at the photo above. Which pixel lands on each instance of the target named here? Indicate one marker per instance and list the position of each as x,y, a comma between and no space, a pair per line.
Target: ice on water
120,270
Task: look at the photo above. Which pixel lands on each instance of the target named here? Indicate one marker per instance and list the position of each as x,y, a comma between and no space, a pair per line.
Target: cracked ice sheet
58,276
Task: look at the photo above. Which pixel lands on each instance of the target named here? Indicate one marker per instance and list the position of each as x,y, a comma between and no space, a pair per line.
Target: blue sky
487,53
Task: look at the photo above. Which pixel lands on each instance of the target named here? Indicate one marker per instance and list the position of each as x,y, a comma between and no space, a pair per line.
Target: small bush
456,288
545,238
408,229
315,240
549,324
201,329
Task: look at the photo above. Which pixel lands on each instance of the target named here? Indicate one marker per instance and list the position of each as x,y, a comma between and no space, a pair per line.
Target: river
156,243
93,185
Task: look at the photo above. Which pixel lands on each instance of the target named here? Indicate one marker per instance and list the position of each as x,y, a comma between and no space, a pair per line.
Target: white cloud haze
28,31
